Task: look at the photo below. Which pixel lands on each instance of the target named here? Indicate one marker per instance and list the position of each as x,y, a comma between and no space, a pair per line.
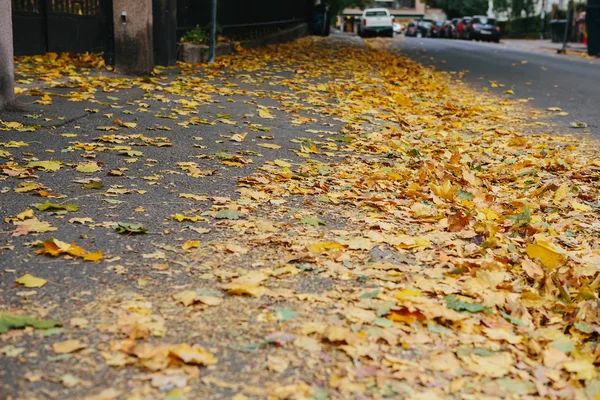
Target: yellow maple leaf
577,206
324,246
193,355
95,256
560,194
190,244
549,256
30,281
446,190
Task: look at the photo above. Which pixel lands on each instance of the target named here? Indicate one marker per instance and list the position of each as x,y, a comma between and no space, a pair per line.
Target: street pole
543,16
566,36
213,33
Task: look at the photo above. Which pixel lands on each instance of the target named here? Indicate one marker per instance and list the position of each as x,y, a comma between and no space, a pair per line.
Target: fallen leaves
14,321
48,166
54,247
190,297
30,281
68,346
425,232
193,355
127,228
47,206
32,225
549,255
88,167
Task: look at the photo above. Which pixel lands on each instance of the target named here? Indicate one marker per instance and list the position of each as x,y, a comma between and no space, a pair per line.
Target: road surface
569,82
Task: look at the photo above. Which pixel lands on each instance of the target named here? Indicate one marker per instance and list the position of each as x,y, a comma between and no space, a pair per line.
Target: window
407,3
376,14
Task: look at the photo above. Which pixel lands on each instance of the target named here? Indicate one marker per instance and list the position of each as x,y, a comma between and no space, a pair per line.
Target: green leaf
579,124
383,308
521,219
13,321
285,314
517,387
130,227
93,185
457,305
512,320
462,195
563,344
369,295
435,328
228,214
52,206
112,98
133,153
313,221
383,322
51,332
583,327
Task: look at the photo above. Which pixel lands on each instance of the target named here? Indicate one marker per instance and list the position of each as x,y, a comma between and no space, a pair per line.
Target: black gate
235,16
41,26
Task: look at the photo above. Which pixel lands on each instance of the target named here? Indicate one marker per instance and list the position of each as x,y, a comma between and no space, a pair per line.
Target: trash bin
320,20
557,30
592,21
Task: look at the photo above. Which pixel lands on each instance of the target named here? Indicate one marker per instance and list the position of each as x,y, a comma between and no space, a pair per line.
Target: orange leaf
405,315
95,256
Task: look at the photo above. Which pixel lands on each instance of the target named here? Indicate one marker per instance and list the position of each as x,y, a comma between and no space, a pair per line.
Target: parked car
397,28
461,28
454,31
446,29
483,28
420,28
376,21
434,29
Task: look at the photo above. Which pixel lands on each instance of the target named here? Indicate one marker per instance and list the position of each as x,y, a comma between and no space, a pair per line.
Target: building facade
540,6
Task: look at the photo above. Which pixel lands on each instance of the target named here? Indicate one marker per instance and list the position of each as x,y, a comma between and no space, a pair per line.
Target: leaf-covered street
324,219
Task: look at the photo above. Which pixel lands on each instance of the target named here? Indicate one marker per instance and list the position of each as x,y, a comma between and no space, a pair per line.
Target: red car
461,28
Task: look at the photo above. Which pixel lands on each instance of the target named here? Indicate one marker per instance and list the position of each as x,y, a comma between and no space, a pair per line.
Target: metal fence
40,26
237,15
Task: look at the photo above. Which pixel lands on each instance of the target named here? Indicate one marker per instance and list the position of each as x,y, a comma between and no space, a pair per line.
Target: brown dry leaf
190,297
193,355
68,346
245,289
32,225
457,221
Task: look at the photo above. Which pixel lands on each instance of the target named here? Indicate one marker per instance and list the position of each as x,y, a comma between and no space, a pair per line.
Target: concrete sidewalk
544,45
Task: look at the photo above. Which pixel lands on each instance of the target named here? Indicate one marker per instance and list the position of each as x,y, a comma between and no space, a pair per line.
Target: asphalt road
550,80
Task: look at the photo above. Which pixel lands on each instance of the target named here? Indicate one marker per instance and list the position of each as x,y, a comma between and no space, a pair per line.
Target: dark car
446,29
420,28
461,27
483,28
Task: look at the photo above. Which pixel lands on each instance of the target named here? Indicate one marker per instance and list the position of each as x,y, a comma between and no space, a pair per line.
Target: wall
133,40
6,55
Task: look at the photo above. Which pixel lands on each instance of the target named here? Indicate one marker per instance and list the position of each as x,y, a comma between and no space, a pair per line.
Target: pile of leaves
417,240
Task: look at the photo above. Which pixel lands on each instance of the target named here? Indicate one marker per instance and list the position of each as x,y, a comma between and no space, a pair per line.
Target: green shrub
199,35
196,36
